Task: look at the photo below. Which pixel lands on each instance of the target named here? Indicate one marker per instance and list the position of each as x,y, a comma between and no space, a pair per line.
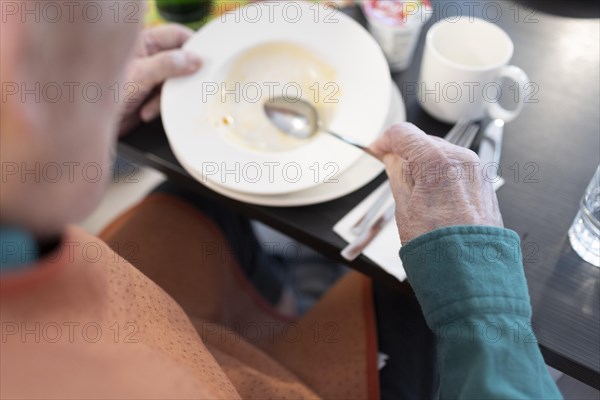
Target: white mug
463,63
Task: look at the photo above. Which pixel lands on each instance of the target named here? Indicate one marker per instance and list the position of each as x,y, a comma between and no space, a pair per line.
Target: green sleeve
470,283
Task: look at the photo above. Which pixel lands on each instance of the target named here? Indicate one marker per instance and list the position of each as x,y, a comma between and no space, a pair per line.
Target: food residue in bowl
227,120
264,72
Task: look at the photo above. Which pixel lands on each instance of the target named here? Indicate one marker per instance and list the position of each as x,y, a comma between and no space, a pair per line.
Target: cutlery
354,249
463,133
490,147
363,223
301,120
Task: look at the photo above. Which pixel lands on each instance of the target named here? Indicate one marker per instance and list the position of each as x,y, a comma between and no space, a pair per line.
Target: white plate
192,116
362,172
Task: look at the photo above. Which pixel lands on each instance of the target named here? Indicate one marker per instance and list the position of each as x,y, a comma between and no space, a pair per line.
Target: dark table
549,155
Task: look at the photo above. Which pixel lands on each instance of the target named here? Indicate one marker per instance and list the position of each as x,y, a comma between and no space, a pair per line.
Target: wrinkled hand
435,183
157,56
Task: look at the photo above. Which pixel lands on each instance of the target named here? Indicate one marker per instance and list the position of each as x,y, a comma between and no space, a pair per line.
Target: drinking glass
584,233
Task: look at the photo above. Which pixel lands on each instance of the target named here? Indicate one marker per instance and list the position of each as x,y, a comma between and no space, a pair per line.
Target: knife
355,248
490,147
363,223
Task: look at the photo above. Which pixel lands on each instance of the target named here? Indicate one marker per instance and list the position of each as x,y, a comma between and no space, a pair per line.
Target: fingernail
186,61
179,59
193,61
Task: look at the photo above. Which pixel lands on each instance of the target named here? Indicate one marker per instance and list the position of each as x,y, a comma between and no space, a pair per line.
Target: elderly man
153,316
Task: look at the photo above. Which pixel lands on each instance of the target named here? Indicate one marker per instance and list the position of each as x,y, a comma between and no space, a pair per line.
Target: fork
463,133
367,227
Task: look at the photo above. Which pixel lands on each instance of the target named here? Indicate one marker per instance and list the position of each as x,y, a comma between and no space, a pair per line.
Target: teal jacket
470,283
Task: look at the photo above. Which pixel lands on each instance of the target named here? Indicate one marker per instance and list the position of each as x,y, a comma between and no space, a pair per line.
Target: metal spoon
301,120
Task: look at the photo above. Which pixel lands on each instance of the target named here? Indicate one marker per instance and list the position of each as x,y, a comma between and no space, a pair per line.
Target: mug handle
495,110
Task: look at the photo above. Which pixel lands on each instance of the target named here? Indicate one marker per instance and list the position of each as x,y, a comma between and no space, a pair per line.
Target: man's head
62,82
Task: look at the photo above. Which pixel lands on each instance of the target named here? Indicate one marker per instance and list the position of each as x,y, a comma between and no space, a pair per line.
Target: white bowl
191,115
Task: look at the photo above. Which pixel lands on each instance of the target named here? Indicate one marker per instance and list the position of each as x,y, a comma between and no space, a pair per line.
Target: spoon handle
352,142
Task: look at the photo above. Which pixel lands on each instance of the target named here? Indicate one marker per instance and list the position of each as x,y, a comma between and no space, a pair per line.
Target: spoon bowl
300,119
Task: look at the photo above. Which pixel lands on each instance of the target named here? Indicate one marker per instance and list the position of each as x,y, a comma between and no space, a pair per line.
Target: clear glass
584,233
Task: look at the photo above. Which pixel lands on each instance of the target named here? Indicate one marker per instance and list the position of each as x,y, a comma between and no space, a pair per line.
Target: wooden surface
554,145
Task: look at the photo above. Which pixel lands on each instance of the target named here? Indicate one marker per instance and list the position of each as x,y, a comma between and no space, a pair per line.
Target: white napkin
384,249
